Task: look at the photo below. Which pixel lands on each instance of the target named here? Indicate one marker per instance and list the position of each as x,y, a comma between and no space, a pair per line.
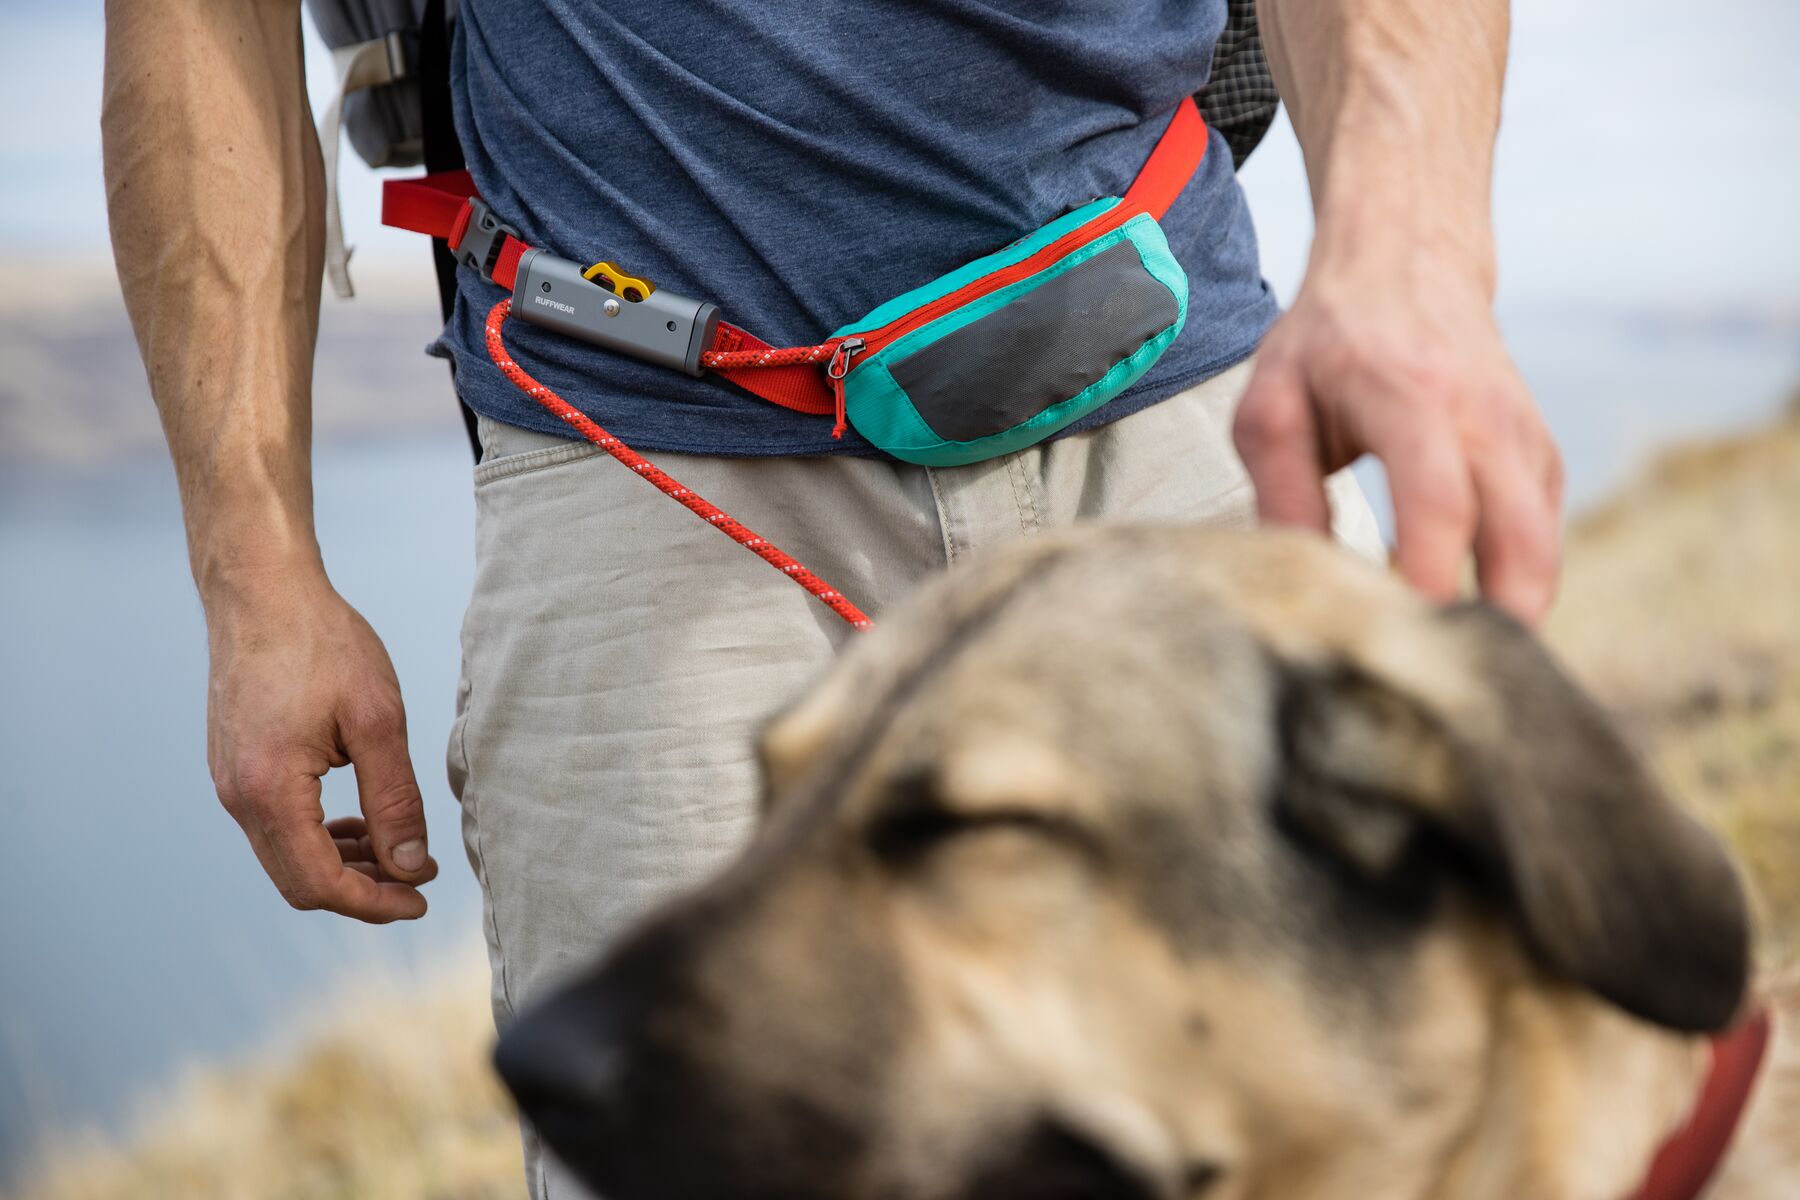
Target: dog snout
567,1058
564,1061
1054,1160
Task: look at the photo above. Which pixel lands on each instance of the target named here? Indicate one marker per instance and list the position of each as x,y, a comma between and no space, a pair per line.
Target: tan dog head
1147,864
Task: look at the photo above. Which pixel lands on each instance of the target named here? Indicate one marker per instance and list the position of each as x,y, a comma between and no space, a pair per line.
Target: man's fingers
391,803
1550,464
351,837
356,895
1277,436
252,790
1517,545
319,879
260,843
347,827
1434,502
357,854
366,865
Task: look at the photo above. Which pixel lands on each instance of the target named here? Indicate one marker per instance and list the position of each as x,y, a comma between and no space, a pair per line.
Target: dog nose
1056,1161
563,1061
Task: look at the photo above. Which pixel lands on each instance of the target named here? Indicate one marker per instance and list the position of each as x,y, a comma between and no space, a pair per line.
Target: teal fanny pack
1007,350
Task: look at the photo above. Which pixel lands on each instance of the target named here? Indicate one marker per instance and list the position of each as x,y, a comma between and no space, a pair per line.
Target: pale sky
1650,156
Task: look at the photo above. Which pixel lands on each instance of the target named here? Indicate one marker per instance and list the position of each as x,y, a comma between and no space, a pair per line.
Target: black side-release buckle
483,239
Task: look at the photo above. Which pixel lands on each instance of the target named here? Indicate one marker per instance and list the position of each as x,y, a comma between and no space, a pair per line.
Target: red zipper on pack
899,327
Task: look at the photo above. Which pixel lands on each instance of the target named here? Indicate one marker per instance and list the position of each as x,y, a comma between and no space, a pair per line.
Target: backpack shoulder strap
443,152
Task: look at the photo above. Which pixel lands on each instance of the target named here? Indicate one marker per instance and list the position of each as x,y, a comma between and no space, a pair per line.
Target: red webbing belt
438,205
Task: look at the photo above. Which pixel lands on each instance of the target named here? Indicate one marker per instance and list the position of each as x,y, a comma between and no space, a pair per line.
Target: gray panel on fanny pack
1038,349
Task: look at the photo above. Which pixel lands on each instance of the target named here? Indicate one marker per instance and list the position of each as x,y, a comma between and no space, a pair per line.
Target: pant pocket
508,450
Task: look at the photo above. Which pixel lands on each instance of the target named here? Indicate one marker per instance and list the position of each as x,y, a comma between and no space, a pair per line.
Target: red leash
706,511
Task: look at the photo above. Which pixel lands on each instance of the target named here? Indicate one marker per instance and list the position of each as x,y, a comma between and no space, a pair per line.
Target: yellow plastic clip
610,277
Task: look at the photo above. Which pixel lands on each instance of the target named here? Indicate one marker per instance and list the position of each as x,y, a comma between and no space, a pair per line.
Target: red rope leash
711,514
792,356
787,356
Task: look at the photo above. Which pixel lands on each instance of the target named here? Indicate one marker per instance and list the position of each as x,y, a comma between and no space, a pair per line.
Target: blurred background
168,1026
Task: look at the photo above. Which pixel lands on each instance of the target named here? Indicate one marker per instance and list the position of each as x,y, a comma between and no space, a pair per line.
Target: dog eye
907,832
1202,1177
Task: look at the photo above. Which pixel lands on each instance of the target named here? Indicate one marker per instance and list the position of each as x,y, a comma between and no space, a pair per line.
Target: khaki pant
619,655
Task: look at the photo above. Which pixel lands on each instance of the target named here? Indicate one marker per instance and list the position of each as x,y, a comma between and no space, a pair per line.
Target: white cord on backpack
362,65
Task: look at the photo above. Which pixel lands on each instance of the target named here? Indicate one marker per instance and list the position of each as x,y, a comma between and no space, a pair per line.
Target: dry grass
1681,608
392,1099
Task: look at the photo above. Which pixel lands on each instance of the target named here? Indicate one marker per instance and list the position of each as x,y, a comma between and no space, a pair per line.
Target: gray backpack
392,98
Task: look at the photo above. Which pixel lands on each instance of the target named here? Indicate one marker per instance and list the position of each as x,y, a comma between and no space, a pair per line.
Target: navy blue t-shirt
798,162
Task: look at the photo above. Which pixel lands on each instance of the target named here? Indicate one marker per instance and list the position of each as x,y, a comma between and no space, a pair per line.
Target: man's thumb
389,793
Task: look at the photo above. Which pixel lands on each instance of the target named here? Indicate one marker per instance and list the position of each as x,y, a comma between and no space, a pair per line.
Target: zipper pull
835,370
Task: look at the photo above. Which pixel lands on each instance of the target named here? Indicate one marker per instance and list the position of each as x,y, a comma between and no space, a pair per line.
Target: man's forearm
1396,104
212,173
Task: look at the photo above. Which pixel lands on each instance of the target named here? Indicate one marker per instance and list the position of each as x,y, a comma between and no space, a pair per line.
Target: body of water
139,934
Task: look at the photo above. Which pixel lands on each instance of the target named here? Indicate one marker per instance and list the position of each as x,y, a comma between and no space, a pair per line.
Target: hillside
1681,609
73,392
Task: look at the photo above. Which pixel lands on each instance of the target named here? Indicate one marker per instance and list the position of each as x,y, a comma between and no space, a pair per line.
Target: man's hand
1408,366
1391,347
300,684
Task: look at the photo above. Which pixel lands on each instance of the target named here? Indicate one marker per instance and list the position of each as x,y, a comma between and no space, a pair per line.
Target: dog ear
1613,885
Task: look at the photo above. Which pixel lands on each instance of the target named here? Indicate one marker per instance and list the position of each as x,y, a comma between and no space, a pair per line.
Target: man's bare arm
213,188
1391,346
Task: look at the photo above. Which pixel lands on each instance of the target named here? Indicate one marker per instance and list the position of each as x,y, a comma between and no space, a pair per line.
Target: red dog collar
1685,1164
